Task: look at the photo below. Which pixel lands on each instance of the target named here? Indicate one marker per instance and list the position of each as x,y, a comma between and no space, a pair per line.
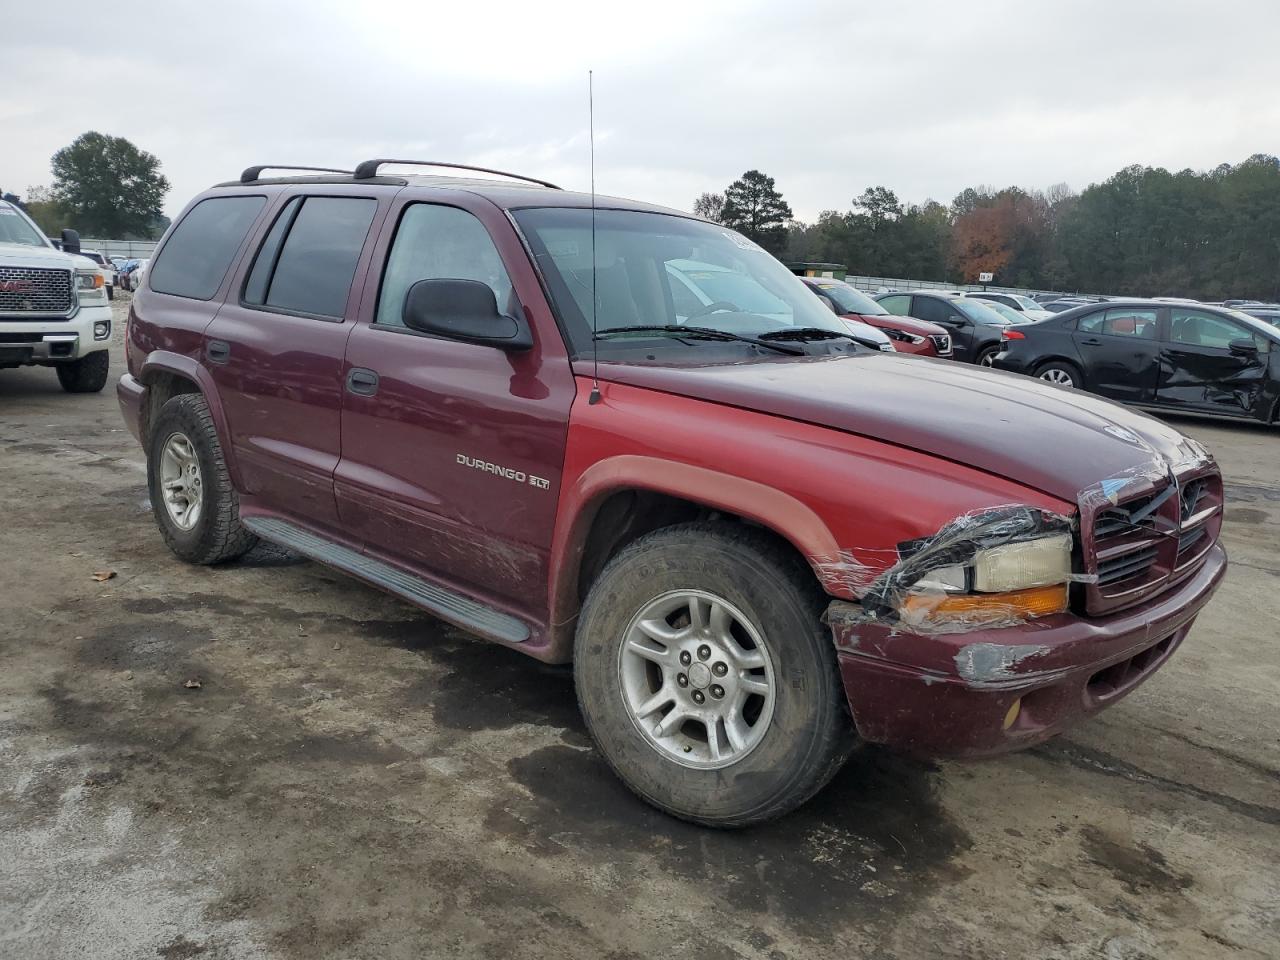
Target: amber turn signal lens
981,608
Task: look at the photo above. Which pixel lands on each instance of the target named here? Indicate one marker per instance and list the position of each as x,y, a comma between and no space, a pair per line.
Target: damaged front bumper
988,691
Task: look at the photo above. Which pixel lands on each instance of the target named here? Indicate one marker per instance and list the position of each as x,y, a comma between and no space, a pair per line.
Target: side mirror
463,310
70,241
957,319
1244,347
831,304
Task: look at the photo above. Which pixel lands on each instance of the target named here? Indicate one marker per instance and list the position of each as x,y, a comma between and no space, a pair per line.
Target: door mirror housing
463,310
70,241
957,319
831,304
1244,347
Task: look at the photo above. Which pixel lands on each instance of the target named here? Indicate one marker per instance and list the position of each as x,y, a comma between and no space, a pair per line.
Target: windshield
654,269
1006,311
850,300
1025,302
982,312
15,228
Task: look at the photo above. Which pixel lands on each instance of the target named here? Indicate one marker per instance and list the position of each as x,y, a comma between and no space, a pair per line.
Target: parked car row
1160,354
131,272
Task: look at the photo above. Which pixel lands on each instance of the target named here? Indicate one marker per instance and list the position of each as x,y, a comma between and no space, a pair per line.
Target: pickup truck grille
941,343
1150,541
35,290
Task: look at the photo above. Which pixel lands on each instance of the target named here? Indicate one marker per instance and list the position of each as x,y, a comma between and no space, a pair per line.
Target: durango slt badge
519,476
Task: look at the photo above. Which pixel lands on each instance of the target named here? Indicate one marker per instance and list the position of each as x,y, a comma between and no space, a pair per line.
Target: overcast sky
827,97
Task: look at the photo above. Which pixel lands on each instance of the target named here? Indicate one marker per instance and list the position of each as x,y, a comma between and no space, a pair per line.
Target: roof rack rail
253,173
369,169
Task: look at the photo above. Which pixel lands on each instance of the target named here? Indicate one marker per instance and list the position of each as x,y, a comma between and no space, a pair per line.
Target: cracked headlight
999,586
1020,566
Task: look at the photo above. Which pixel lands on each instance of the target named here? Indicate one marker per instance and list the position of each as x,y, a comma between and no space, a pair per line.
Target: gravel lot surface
354,779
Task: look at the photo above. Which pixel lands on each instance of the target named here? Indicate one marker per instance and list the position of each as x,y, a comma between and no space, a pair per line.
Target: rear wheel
706,677
1060,373
987,357
192,498
86,375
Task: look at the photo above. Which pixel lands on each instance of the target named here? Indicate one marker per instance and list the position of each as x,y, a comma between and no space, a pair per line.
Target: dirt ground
354,779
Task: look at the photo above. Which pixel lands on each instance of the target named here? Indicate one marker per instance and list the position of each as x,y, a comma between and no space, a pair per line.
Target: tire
1060,373
986,356
111,293
86,375
214,533
801,732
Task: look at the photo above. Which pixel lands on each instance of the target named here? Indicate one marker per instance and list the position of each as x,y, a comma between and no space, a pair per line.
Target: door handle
218,351
362,382
1091,341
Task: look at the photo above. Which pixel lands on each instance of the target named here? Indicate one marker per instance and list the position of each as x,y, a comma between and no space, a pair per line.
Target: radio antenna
594,398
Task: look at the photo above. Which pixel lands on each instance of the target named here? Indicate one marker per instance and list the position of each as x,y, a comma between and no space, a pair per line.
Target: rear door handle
1091,341
362,382
218,351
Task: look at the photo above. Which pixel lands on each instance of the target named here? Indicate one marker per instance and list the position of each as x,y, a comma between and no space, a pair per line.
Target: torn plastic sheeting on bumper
893,596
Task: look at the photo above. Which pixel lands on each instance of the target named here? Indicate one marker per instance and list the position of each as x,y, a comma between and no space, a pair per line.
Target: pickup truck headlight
1013,581
90,286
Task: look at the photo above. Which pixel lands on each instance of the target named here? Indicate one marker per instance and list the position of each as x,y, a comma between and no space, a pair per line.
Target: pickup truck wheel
194,503
706,677
86,375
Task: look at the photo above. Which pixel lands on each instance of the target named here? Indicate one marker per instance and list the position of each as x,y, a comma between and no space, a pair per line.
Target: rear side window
1121,322
196,256
311,271
896,305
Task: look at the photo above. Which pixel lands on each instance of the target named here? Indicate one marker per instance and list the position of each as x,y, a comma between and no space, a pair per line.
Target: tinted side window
1121,322
255,290
314,269
196,256
935,311
439,243
896,305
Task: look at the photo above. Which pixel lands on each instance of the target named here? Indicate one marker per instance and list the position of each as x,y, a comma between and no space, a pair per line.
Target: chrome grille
1144,544
941,342
35,290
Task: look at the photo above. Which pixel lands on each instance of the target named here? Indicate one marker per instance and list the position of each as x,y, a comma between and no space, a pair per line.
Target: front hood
921,328
1061,442
22,255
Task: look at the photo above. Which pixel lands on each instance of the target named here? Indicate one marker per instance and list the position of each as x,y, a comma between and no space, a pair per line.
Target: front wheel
86,375
987,357
706,677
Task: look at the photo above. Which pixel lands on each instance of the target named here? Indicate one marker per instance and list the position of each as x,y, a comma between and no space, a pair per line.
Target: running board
444,603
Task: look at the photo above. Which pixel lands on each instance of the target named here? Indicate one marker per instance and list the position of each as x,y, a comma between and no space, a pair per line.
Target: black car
1164,356
975,330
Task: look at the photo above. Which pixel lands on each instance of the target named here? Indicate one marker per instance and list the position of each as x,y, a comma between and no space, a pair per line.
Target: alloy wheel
1058,376
181,485
697,679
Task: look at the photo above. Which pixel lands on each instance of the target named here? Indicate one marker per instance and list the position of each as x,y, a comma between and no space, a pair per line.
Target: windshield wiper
706,333
817,333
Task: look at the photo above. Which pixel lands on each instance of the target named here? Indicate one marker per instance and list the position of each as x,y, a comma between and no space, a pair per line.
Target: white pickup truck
53,305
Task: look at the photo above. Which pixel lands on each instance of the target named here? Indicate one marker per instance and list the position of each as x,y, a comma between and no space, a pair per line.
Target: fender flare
775,509
166,361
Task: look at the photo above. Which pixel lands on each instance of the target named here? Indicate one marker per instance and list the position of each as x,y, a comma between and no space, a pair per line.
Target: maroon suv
756,540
